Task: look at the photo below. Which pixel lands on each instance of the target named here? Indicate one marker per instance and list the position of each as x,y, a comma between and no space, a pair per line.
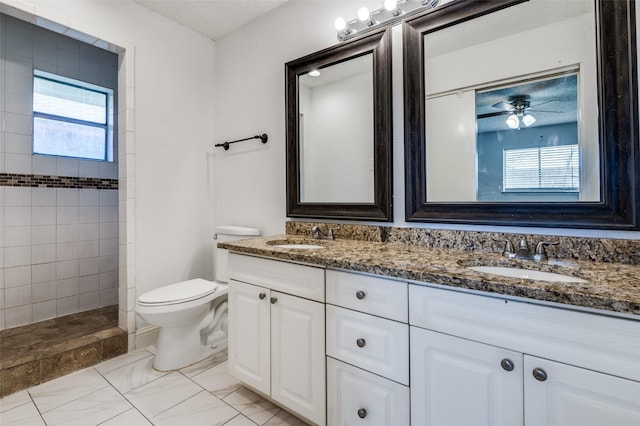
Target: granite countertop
610,286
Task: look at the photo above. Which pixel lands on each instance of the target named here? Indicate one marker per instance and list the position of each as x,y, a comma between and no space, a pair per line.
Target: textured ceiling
212,18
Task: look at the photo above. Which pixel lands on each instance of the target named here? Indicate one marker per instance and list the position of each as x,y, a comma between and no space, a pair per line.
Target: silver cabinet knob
539,374
361,343
360,294
274,300
262,296
507,364
362,413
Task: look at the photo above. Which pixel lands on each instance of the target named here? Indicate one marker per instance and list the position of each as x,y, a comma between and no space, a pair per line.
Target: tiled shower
58,216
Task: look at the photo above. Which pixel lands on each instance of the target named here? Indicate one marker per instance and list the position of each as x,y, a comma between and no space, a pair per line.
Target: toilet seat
181,292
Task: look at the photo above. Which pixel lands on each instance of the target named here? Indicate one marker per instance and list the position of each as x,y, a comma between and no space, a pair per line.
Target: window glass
71,118
549,168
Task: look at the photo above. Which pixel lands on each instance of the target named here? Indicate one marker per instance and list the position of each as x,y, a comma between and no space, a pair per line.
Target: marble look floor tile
14,400
201,409
90,409
284,418
133,375
122,360
203,365
217,380
240,420
161,394
130,417
23,415
256,408
55,393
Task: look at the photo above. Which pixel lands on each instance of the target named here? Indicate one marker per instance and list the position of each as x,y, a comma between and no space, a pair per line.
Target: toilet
192,315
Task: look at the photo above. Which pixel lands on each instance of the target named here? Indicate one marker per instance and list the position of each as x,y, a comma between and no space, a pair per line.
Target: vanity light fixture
365,16
392,6
392,11
344,29
314,73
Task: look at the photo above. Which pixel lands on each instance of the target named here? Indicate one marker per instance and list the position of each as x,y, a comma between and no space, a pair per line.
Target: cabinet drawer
356,397
374,344
596,342
372,295
297,280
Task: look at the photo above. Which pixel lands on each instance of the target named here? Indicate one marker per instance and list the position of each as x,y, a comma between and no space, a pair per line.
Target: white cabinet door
298,355
249,334
358,398
563,395
458,382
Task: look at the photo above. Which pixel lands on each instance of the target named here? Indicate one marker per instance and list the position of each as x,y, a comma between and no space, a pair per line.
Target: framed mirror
523,113
339,131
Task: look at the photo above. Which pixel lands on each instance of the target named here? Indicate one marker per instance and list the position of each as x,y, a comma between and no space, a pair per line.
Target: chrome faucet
318,234
523,252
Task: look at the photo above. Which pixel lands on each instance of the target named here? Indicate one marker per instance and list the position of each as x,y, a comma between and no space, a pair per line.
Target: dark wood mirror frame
378,43
618,128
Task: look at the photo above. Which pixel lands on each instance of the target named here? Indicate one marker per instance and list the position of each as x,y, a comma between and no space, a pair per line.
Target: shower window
72,118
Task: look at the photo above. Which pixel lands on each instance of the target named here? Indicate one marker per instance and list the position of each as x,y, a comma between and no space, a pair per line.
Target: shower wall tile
44,292
18,316
44,310
43,234
58,245
43,253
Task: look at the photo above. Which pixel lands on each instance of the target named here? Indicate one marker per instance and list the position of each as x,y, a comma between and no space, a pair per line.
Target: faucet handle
541,254
508,250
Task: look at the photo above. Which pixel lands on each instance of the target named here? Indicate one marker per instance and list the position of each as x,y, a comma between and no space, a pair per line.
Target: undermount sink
299,246
292,244
529,274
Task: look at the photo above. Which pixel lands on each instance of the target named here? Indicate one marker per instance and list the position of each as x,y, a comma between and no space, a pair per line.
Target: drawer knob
539,374
262,296
507,364
360,294
361,343
274,300
362,413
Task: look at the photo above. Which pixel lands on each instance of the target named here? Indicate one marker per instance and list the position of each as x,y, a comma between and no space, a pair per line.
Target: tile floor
127,391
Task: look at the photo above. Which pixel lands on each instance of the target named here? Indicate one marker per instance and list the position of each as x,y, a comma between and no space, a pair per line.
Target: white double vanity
348,348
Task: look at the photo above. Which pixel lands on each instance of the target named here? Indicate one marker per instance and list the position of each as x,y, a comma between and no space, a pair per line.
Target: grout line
125,398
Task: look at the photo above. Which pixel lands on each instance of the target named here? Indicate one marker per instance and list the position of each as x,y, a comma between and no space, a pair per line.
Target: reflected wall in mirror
339,131
522,113
336,132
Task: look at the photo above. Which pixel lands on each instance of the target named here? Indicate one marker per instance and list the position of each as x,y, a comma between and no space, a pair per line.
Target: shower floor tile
35,353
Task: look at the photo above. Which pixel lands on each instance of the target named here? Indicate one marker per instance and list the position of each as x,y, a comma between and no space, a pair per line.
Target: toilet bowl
191,315
179,310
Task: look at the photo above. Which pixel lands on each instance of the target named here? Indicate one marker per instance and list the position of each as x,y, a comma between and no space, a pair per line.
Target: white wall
250,99
169,109
338,142
250,183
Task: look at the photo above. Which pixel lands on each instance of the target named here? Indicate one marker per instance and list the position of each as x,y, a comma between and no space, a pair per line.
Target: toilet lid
178,293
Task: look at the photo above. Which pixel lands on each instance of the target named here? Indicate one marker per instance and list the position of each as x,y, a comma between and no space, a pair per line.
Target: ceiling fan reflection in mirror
521,104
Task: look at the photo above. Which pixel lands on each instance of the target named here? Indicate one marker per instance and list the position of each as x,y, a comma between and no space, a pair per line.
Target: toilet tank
227,233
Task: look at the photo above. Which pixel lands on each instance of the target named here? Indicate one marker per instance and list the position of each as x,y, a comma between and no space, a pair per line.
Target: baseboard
146,336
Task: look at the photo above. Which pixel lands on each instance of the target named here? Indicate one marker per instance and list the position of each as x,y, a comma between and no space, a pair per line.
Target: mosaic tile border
41,181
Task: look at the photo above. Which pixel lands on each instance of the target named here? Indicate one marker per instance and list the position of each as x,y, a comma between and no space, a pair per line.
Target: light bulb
314,73
390,4
528,120
513,122
363,14
340,24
